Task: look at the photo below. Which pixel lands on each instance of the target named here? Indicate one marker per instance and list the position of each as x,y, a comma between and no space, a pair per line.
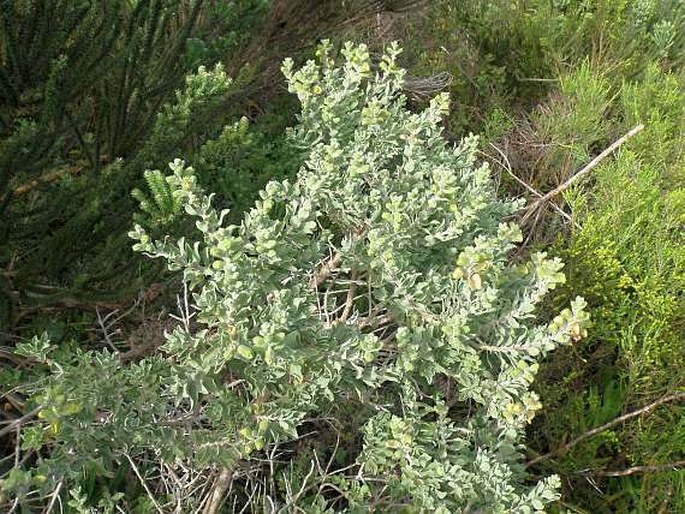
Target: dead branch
606,426
349,301
325,271
634,470
425,87
506,165
19,422
532,208
221,485
53,498
144,484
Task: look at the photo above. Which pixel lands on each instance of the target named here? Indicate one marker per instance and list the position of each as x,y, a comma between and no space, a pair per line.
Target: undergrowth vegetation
350,319
551,84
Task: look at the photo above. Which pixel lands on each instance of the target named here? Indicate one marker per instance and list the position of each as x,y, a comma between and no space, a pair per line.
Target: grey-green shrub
380,276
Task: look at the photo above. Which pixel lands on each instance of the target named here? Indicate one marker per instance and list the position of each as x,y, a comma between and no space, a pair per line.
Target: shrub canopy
380,277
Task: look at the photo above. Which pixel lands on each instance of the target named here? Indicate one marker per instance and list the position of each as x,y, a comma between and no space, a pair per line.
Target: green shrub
507,55
627,258
91,95
380,277
239,162
82,247
553,84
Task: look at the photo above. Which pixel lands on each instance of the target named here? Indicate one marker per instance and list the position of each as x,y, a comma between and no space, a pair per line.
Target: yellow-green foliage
573,119
628,258
658,101
507,55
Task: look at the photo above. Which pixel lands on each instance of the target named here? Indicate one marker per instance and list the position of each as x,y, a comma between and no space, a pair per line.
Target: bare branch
606,426
634,470
325,271
349,302
18,422
506,165
53,498
144,484
575,178
374,321
221,485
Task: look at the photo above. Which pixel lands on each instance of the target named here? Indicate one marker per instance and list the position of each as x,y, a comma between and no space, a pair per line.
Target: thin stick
220,487
349,302
591,165
105,328
293,499
19,422
334,261
53,498
375,321
634,470
14,506
606,426
506,165
326,271
17,447
147,489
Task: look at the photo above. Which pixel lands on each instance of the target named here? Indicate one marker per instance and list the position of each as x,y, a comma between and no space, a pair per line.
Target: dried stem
606,426
634,470
326,271
221,485
19,422
349,302
53,498
374,321
506,165
144,484
575,178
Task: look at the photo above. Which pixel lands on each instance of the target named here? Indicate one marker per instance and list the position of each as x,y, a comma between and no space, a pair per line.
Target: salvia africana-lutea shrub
381,276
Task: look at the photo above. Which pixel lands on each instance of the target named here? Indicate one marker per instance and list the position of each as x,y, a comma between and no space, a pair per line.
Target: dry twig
144,484
221,485
506,165
349,301
18,422
53,498
606,426
533,208
326,271
634,470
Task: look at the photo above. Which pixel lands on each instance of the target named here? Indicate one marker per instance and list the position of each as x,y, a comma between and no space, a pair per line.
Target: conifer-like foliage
378,282
91,95
97,71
